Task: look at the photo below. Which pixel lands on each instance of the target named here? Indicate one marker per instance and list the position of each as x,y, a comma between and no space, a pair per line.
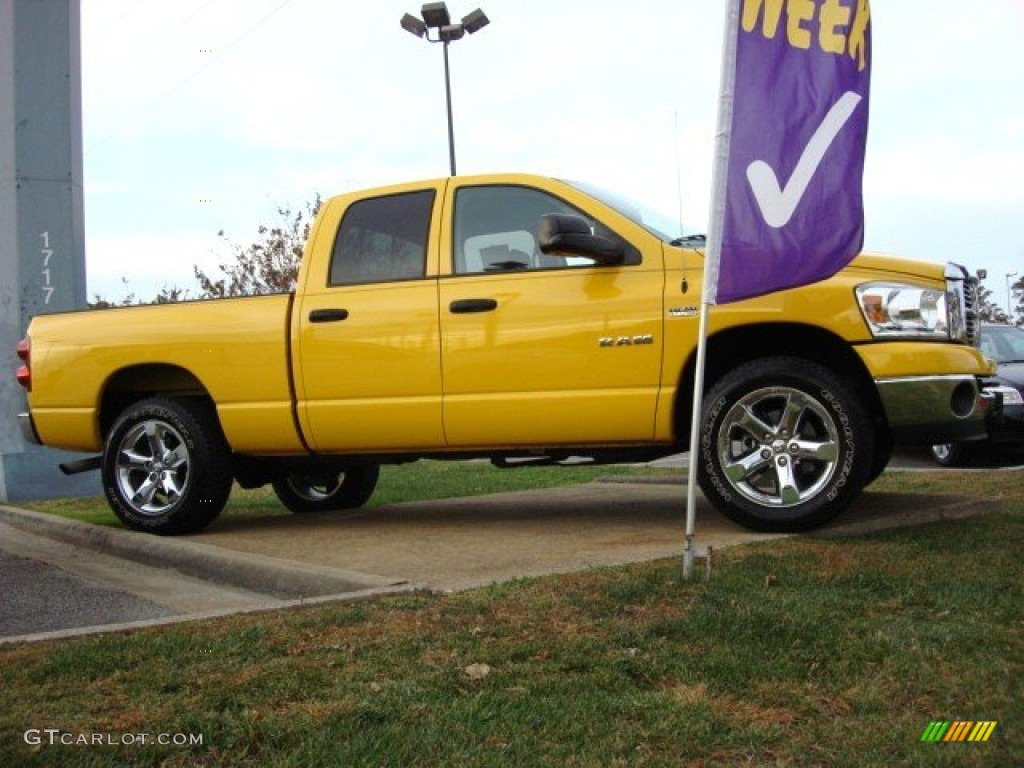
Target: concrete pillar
42,232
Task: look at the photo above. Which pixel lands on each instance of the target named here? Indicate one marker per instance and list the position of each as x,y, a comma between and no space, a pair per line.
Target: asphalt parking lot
64,578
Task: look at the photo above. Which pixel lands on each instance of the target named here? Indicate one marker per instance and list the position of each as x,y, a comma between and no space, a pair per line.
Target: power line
117,22
221,53
166,35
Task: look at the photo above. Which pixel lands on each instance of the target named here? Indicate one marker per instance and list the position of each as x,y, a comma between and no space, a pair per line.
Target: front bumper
28,429
924,410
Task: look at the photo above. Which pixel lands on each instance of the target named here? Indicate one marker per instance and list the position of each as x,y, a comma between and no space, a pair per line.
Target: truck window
382,239
495,230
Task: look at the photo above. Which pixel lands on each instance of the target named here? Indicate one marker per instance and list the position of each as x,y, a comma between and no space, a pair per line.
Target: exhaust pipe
82,465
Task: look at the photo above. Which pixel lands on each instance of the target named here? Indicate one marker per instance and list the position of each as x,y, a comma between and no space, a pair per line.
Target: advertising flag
791,167
786,201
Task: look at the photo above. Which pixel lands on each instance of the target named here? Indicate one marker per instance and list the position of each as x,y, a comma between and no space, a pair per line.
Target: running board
543,461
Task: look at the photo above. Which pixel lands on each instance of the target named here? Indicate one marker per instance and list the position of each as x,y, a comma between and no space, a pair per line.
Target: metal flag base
690,557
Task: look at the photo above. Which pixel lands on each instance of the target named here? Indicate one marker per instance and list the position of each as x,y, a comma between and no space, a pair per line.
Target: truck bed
235,349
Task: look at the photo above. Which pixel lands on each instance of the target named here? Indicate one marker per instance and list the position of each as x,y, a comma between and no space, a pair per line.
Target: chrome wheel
166,466
778,446
328,489
785,445
313,490
152,467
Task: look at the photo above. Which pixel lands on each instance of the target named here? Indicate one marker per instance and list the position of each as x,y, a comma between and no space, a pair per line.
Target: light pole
436,17
1009,297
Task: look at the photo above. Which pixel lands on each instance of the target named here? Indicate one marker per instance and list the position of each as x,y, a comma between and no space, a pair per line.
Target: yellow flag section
832,26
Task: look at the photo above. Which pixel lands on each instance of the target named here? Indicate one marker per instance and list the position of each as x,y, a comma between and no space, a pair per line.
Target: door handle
470,306
328,315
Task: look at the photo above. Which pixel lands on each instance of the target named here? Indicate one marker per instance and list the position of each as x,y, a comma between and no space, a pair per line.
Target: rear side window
383,239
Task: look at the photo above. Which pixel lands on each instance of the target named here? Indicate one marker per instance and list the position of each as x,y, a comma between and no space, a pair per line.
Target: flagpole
712,257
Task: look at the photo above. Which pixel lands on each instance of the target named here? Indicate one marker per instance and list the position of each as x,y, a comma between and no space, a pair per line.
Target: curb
936,509
641,479
284,579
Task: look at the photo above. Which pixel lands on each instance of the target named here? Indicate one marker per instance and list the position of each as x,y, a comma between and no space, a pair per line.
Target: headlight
897,309
1010,395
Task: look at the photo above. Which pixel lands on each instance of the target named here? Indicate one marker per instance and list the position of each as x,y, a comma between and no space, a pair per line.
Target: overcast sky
209,115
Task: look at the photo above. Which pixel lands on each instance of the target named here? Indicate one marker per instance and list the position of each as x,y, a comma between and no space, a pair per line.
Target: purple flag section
793,208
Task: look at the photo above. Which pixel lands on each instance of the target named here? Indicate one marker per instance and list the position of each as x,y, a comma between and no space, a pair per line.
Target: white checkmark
778,204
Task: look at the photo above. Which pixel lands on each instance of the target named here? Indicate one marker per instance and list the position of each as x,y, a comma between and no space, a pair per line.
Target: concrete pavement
444,545
62,578
457,544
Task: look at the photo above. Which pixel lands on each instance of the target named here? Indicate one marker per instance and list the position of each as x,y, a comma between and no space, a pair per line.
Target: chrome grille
972,315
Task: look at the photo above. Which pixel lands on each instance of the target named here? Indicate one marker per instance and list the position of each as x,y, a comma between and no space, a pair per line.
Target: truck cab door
365,330
543,349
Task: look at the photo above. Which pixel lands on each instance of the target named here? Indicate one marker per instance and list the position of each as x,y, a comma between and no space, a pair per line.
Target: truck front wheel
785,446
166,467
327,491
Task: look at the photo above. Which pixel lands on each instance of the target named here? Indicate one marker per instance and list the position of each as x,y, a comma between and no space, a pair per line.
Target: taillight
24,374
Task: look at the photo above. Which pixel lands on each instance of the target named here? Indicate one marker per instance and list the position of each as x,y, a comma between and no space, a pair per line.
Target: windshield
1004,343
659,224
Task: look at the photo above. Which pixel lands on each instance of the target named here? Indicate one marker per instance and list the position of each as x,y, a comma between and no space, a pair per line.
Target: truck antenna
679,172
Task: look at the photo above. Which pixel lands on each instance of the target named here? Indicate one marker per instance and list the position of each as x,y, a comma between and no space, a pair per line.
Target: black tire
166,467
785,445
327,491
882,454
949,454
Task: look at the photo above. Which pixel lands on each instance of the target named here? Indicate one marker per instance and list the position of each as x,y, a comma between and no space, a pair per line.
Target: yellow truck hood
899,265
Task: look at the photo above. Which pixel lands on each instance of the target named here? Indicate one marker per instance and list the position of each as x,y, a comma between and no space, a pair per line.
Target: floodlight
451,32
413,25
475,21
435,15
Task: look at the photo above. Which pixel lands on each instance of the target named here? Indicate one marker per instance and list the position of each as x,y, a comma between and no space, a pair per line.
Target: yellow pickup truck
516,318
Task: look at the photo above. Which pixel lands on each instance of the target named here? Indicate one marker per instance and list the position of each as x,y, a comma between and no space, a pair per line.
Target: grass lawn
807,651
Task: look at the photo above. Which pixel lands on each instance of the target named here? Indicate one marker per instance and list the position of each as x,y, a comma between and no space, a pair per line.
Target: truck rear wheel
327,491
785,446
166,467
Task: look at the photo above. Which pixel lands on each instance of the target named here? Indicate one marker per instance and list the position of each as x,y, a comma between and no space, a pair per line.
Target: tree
1017,302
269,265
167,295
988,311
990,305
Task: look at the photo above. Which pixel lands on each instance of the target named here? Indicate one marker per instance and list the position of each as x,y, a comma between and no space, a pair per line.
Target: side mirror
562,233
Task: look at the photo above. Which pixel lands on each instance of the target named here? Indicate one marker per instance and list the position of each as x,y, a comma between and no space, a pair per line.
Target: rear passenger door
367,346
